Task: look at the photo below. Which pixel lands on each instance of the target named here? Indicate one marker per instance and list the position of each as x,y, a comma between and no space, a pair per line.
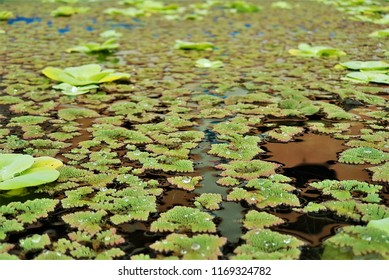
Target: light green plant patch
265,193
92,47
28,212
348,189
242,7
259,220
380,173
285,133
198,46
383,33
71,114
129,12
268,245
21,171
333,111
248,169
365,65
112,135
35,242
111,34
184,219
67,11
282,5
209,201
228,181
328,129
316,51
367,77
83,75
369,242
6,15
88,221
198,247
185,182
206,63
363,155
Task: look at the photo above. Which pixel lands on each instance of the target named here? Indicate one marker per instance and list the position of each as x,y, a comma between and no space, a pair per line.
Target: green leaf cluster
268,245
198,247
182,218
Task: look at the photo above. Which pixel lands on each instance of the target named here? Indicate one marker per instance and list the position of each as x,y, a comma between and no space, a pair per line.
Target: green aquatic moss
266,244
184,218
198,247
363,155
248,169
209,201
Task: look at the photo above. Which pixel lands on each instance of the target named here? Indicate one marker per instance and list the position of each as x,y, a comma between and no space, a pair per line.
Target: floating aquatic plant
239,148
92,47
243,7
228,181
198,46
363,155
248,169
259,220
71,114
206,63
185,182
282,5
198,247
285,133
380,173
21,171
28,212
184,218
332,128
88,221
359,242
209,201
316,51
130,12
367,77
84,75
67,11
365,65
111,34
35,242
6,15
383,33
344,190
268,245
265,193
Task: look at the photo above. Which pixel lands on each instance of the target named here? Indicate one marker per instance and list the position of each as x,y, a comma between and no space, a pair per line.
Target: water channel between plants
213,136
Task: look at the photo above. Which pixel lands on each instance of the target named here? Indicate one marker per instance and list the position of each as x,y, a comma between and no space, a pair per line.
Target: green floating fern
380,173
209,201
259,220
248,169
285,133
85,220
344,190
184,218
185,182
35,242
198,247
363,155
263,193
239,148
369,242
268,245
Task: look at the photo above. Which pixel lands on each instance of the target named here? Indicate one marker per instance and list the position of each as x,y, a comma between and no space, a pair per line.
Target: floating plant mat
187,130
